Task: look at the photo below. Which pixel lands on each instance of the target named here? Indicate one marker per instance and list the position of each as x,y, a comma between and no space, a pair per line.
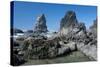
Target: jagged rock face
93,28
90,43
73,31
40,26
94,24
68,22
92,33
40,48
70,27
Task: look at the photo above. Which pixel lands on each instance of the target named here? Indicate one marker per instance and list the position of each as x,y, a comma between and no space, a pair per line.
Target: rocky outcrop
15,30
74,32
93,29
40,26
91,48
71,37
17,59
68,22
29,31
41,48
71,28
94,24
71,45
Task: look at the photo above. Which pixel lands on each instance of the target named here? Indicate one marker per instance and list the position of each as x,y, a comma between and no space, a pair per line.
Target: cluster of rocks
44,48
17,58
74,31
90,48
41,49
71,37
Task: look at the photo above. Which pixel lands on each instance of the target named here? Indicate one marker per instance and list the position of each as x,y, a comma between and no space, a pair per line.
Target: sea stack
40,26
68,22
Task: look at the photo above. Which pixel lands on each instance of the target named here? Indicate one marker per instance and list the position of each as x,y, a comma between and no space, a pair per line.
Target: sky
26,13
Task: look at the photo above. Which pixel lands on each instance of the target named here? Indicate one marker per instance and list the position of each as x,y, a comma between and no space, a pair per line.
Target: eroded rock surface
73,31
72,36
40,26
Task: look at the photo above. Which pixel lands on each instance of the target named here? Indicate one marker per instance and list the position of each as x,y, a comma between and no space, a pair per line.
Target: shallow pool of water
76,56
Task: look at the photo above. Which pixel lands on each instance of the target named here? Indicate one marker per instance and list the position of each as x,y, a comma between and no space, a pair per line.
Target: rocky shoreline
72,36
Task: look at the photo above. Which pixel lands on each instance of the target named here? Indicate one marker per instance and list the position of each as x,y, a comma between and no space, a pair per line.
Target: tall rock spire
40,26
69,20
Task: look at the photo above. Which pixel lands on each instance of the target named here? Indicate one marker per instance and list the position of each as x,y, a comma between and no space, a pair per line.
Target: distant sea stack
95,22
68,22
40,26
94,26
15,30
93,29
